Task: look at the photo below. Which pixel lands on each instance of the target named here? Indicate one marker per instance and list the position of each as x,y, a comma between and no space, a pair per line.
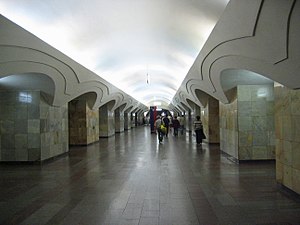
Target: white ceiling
123,41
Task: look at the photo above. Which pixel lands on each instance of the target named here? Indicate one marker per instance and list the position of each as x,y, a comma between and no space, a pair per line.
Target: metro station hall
86,85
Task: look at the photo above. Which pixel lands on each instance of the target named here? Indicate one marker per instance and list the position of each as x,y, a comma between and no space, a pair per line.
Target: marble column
210,120
189,120
83,123
184,119
132,119
106,120
287,133
247,123
127,123
197,110
229,128
119,120
139,118
31,129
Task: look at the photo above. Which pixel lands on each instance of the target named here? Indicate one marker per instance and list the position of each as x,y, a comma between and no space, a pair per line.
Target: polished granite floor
132,179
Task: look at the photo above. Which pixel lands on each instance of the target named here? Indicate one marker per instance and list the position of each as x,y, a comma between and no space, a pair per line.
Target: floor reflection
132,179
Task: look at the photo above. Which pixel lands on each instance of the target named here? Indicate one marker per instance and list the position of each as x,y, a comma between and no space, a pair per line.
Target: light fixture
148,78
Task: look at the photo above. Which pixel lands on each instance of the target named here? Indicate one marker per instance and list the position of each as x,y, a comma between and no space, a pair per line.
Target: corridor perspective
84,85
132,179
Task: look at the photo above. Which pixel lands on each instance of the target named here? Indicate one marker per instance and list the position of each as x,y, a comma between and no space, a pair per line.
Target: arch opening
30,82
231,78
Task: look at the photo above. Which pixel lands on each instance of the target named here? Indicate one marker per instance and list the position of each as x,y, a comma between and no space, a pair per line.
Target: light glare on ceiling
116,39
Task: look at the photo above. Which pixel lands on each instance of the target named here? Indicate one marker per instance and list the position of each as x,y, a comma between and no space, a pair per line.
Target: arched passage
31,128
29,82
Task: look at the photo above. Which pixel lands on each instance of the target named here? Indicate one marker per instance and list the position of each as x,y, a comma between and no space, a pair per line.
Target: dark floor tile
130,179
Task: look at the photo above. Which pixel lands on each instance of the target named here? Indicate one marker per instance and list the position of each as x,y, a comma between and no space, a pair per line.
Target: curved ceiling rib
144,48
23,54
260,41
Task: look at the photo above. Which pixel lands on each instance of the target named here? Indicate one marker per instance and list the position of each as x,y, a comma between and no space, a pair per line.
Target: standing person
198,127
176,125
167,124
180,119
157,124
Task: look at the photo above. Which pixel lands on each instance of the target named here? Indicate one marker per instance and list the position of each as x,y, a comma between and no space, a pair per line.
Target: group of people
163,124
167,123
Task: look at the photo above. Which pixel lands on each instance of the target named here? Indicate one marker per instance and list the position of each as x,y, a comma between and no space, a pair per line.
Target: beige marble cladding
83,123
287,130
229,128
106,121
210,120
119,121
92,125
127,122
30,129
247,130
205,121
54,130
256,131
196,111
77,122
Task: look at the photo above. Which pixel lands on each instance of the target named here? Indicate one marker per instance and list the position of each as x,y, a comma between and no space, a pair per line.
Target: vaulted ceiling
143,47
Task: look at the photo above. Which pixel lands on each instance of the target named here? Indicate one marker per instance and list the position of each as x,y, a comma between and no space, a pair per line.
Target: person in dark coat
176,125
166,122
198,127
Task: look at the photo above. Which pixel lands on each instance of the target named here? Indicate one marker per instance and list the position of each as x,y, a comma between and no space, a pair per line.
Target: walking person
176,125
198,127
166,122
157,124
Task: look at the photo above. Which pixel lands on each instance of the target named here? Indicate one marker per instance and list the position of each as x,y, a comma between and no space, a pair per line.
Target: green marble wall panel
260,152
13,123
287,127
256,128
245,108
54,134
25,126
228,128
247,130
